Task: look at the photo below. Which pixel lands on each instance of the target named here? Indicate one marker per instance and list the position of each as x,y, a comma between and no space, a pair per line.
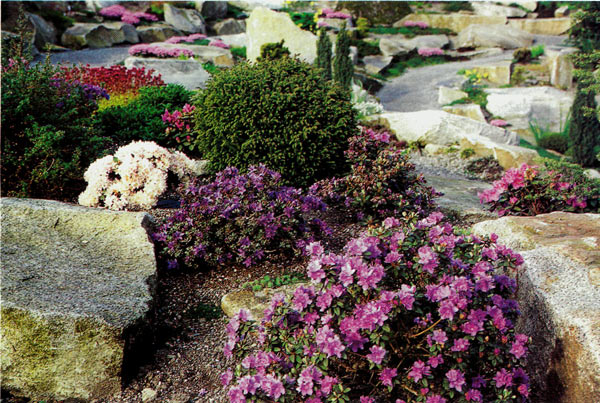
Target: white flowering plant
134,177
364,103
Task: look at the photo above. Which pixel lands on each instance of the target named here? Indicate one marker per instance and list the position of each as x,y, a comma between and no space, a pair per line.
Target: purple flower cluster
219,44
329,13
74,89
158,51
420,306
381,183
134,18
530,190
189,38
239,218
417,24
428,52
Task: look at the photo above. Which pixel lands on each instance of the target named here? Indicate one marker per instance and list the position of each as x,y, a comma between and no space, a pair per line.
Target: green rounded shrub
278,112
140,120
554,141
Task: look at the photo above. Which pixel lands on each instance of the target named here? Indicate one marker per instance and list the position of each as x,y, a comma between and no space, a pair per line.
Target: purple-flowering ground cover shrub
189,38
219,44
329,13
427,52
239,218
179,124
406,313
129,17
158,51
532,190
418,24
499,122
381,182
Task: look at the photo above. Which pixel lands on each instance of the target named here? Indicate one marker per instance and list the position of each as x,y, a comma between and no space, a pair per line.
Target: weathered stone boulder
560,66
455,21
99,35
559,297
77,284
267,26
471,111
157,32
217,56
542,26
562,12
185,20
376,64
494,10
508,156
547,106
439,127
230,26
254,301
448,95
497,72
493,36
212,9
237,40
391,45
529,5
188,73
45,33
475,54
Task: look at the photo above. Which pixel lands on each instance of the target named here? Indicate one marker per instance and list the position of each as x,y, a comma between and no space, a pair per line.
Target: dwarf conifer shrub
584,133
239,218
323,60
413,312
343,69
278,112
273,51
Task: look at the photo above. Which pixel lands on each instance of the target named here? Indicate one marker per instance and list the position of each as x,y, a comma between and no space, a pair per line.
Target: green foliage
46,138
585,31
235,12
380,12
518,76
141,118
20,45
324,53
157,9
239,52
210,68
60,21
277,112
362,26
273,51
366,48
537,51
410,32
545,138
522,55
584,133
275,282
398,68
456,6
542,152
467,153
304,20
343,69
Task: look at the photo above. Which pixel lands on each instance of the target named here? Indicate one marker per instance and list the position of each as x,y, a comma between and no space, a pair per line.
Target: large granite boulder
212,10
156,32
188,73
267,26
217,56
497,72
508,156
559,297
528,5
471,111
77,285
448,95
542,26
493,36
391,45
237,40
185,20
494,10
439,127
45,33
547,106
99,35
560,66
230,26
376,64
455,21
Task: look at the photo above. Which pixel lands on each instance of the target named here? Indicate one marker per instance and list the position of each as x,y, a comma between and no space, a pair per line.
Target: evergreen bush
343,70
277,112
584,133
273,51
323,60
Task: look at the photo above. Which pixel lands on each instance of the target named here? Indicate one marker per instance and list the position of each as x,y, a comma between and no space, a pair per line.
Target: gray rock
335,23
188,21
560,66
471,111
448,95
542,26
488,9
45,33
493,36
559,296
391,45
148,395
547,106
77,284
99,35
267,26
212,9
157,32
188,73
215,55
237,40
454,21
230,26
376,64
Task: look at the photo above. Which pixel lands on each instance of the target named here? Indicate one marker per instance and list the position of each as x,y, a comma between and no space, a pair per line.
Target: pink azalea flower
387,376
499,123
456,379
503,378
428,52
377,354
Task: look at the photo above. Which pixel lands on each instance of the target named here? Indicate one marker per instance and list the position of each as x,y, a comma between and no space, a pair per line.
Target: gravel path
417,89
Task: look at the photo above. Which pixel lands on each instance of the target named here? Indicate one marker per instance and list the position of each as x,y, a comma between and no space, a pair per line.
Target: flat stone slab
559,297
188,73
77,284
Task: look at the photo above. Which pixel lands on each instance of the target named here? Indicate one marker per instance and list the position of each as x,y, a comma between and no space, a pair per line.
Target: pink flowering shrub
405,313
179,124
427,52
239,218
329,13
134,18
219,44
158,51
498,122
189,38
418,24
381,182
531,190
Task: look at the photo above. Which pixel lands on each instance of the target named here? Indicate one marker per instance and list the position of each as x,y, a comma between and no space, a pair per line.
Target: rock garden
276,201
